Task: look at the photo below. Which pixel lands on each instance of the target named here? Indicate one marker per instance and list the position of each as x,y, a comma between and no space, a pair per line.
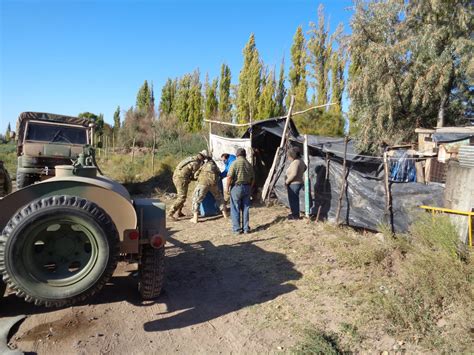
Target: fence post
307,185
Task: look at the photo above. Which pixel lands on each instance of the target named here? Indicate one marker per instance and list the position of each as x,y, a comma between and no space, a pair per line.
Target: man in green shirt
240,180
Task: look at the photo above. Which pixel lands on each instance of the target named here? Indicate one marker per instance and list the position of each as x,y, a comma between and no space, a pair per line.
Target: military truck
45,140
61,238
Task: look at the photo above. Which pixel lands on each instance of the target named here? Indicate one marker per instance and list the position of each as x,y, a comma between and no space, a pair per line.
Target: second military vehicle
45,140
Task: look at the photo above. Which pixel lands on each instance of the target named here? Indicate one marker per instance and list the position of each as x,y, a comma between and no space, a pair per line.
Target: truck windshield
57,134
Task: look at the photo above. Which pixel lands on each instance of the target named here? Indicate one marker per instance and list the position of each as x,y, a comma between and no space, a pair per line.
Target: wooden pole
266,186
133,150
153,154
388,197
307,185
343,180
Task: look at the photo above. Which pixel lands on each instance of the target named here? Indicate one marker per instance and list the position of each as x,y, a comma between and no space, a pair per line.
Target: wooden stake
343,181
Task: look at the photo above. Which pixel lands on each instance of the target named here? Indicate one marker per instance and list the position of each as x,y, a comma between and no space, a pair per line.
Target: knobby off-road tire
58,250
23,180
151,272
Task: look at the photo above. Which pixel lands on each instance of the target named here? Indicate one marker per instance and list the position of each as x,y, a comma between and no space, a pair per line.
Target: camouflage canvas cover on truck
45,140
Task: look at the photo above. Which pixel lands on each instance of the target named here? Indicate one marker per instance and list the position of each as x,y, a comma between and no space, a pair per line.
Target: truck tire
58,250
24,180
151,272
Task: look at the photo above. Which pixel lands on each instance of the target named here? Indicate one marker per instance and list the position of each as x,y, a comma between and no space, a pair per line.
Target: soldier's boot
225,214
195,218
180,213
171,215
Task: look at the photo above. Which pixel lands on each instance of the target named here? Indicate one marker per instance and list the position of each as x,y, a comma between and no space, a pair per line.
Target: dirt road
247,294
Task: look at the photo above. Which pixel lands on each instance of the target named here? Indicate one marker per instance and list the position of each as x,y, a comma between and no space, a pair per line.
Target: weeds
316,342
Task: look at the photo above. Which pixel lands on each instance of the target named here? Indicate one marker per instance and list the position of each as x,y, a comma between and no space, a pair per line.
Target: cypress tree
249,82
297,74
195,103
225,104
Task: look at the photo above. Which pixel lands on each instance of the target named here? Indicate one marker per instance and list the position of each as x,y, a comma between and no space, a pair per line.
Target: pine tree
168,96
249,82
297,74
117,119
225,104
320,49
144,98
8,133
280,91
211,103
266,103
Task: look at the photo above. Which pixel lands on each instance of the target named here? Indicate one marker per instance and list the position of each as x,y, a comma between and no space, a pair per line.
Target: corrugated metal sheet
466,156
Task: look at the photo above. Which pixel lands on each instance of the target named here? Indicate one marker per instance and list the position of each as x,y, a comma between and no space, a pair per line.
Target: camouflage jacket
208,174
5,181
187,168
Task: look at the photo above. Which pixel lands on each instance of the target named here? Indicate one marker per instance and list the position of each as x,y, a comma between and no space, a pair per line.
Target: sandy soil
251,293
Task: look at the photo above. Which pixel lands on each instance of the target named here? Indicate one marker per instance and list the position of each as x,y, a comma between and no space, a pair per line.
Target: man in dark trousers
240,180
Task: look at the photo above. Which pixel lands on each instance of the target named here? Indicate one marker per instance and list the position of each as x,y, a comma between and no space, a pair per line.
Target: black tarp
363,203
364,199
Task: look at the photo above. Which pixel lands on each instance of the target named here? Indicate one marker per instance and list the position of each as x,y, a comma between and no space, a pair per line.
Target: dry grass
420,287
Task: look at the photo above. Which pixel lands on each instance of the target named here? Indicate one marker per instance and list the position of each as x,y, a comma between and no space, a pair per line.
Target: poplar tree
280,91
195,103
297,74
144,98
168,96
225,104
8,133
319,47
266,103
211,103
183,98
249,82
117,119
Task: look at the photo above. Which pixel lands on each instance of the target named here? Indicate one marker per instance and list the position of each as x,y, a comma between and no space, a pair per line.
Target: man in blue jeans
240,180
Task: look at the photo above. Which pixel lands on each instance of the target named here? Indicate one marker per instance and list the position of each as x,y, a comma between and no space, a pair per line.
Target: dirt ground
254,293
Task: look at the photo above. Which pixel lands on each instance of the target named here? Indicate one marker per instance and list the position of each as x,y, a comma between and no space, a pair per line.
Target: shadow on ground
203,282
207,281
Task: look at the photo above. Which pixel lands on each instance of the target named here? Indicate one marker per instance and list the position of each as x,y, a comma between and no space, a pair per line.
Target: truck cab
45,140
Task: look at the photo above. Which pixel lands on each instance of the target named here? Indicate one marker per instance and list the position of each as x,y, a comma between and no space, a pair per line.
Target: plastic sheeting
363,203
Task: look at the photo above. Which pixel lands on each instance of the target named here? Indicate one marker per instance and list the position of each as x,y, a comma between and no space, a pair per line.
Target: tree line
405,65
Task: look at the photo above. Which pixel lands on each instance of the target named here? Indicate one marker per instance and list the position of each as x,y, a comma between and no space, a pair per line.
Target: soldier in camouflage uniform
5,181
207,177
182,176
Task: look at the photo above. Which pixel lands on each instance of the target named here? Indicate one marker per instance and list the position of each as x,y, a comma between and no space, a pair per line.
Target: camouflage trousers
200,193
182,186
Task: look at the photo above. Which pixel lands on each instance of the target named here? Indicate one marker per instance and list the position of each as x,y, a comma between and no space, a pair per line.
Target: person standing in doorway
294,181
240,180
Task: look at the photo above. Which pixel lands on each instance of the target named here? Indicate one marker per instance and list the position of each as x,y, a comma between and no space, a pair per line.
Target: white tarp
219,145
